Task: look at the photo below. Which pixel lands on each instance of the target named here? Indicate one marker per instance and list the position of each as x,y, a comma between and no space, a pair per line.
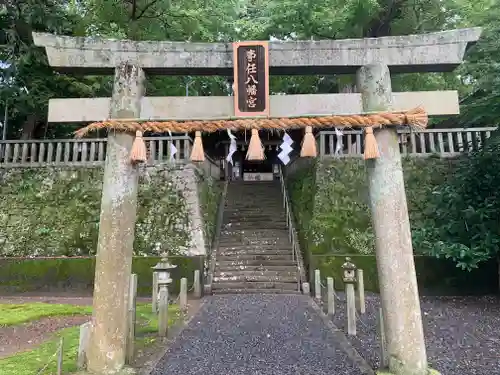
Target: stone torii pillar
391,224
107,346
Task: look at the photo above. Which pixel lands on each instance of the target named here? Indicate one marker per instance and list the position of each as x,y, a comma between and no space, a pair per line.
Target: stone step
229,252
227,264
293,272
254,291
284,267
233,244
269,215
256,248
254,226
249,219
256,278
257,210
268,246
258,233
255,285
262,257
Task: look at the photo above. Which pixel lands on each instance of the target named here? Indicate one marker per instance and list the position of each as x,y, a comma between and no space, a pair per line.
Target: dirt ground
19,338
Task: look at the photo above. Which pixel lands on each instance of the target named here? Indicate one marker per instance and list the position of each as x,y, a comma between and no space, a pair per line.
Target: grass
31,362
12,314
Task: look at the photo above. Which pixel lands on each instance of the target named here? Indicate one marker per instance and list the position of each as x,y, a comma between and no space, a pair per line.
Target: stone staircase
255,253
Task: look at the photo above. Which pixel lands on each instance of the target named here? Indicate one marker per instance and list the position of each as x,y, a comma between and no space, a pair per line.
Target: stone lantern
162,269
349,271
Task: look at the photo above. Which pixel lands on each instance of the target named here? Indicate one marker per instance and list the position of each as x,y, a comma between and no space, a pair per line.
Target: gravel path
462,333
256,334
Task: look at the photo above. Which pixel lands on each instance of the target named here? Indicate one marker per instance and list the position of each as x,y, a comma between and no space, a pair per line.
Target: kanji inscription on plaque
251,78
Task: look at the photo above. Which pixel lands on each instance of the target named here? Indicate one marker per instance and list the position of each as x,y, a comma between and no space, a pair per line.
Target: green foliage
54,212
330,202
77,274
464,224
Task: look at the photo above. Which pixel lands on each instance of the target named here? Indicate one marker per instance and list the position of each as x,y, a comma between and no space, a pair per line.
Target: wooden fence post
163,313
351,308
154,294
132,297
361,292
317,285
197,284
384,357
330,296
183,294
60,355
83,343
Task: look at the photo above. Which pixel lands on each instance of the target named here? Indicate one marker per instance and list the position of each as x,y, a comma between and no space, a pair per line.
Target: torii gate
371,59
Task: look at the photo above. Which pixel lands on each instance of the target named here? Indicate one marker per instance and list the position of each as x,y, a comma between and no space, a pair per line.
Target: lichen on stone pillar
106,354
395,263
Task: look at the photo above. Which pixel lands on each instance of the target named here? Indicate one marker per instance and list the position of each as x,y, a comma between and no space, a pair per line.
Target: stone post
395,263
361,291
107,347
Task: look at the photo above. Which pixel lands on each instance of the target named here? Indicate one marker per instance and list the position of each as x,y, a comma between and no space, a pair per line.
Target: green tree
28,82
463,214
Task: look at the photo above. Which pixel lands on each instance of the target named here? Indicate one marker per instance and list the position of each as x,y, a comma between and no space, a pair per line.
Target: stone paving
261,335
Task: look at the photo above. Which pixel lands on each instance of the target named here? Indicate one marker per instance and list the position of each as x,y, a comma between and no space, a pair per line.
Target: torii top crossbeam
433,52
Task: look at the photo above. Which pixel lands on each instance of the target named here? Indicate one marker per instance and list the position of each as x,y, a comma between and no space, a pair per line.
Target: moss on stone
331,203
55,212
210,192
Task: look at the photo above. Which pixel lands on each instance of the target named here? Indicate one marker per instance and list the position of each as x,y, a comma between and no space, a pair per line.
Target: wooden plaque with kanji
251,79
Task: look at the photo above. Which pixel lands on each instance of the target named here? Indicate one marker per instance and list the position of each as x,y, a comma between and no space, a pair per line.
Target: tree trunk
29,127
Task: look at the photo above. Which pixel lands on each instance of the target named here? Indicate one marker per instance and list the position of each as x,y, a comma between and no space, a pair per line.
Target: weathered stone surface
396,268
433,52
107,347
219,107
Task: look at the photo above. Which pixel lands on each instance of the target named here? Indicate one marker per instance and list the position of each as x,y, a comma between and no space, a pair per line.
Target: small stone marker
330,296
317,285
197,284
351,309
361,292
154,294
163,313
384,358
81,361
183,294
305,288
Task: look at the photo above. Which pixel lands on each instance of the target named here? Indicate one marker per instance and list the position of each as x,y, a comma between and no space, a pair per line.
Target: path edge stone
341,338
173,333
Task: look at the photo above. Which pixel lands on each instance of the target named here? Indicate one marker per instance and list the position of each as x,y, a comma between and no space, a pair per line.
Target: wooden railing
443,142
83,152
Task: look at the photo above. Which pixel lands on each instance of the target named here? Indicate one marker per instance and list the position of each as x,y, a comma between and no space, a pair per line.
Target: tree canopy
28,82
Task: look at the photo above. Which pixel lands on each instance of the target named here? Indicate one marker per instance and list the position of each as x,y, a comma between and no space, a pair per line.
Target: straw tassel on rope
371,146
309,144
255,149
138,152
197,153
